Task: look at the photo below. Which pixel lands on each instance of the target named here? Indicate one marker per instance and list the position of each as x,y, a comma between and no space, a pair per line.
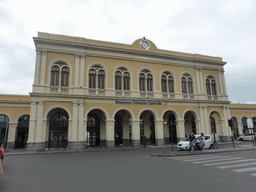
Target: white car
184,144
247,137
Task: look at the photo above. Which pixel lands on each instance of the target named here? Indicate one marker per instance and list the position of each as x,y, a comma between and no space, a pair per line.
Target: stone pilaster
12,135
135,132
110,142
180,127
159,130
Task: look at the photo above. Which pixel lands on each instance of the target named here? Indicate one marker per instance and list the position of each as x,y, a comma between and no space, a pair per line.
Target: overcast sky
223,28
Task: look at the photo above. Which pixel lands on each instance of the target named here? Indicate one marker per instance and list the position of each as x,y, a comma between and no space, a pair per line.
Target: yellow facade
90,93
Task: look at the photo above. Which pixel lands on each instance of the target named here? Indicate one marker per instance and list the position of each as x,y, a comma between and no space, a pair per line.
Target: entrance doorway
58,130
93,130
172,129
22,132
118,130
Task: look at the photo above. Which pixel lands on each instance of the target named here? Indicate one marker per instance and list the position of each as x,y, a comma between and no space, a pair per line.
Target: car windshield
198,138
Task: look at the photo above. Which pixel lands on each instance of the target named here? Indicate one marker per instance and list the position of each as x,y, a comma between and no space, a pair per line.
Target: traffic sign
165,122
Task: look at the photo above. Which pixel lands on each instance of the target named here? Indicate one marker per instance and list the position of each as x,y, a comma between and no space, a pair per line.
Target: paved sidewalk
157,151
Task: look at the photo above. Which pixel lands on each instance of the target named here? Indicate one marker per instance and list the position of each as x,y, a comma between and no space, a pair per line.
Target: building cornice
122,53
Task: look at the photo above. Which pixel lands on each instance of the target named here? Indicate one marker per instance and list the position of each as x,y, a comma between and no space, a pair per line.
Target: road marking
236,165
190,156
207,158
253,174
216,160
229,162
245,169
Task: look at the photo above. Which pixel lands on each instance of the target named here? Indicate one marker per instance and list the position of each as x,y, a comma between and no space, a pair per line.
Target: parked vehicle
247,137
184,144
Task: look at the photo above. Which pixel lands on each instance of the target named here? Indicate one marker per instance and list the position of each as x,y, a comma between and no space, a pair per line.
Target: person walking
202,142
215,139
1,153
191,141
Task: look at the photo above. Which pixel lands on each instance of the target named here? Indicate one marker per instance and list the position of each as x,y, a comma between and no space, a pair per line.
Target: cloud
217,28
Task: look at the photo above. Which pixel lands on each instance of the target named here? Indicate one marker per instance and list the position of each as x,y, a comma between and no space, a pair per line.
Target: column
39,127
110,142
74,123
206,121
221,83
81,142
180,129
43,67
224,83
81,127
201,81
45,132
82,75
11,135
32,123
126,131
37,68
226,128
103,133
69,131
77,63
199,89
85,132
135,132
202,117
159,130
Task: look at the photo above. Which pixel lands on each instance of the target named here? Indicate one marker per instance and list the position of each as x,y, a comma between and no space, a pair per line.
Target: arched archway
4,126
118,130
58,128
123,128
93,130
147,127
190,123
22,132
170,130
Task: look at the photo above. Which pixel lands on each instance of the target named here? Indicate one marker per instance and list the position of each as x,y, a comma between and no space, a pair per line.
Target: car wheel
211,146
240,139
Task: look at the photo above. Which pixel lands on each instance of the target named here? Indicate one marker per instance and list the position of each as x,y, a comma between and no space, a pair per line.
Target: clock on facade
144,44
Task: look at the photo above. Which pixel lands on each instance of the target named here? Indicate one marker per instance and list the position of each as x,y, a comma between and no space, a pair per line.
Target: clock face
144,44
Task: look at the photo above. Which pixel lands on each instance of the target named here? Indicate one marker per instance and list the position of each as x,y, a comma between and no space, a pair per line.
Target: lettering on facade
139,102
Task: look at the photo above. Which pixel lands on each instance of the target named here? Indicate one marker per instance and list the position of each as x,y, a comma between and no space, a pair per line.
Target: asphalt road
131,170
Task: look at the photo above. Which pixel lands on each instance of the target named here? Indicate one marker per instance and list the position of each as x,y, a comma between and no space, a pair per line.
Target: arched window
60,75
142,82
187,84
146,80
122,79
210,86
149,82
101,79
164,83
167,82
118,77
126,81
92,78
97,73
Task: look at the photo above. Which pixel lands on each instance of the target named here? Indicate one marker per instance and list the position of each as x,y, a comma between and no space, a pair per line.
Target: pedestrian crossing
235,164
